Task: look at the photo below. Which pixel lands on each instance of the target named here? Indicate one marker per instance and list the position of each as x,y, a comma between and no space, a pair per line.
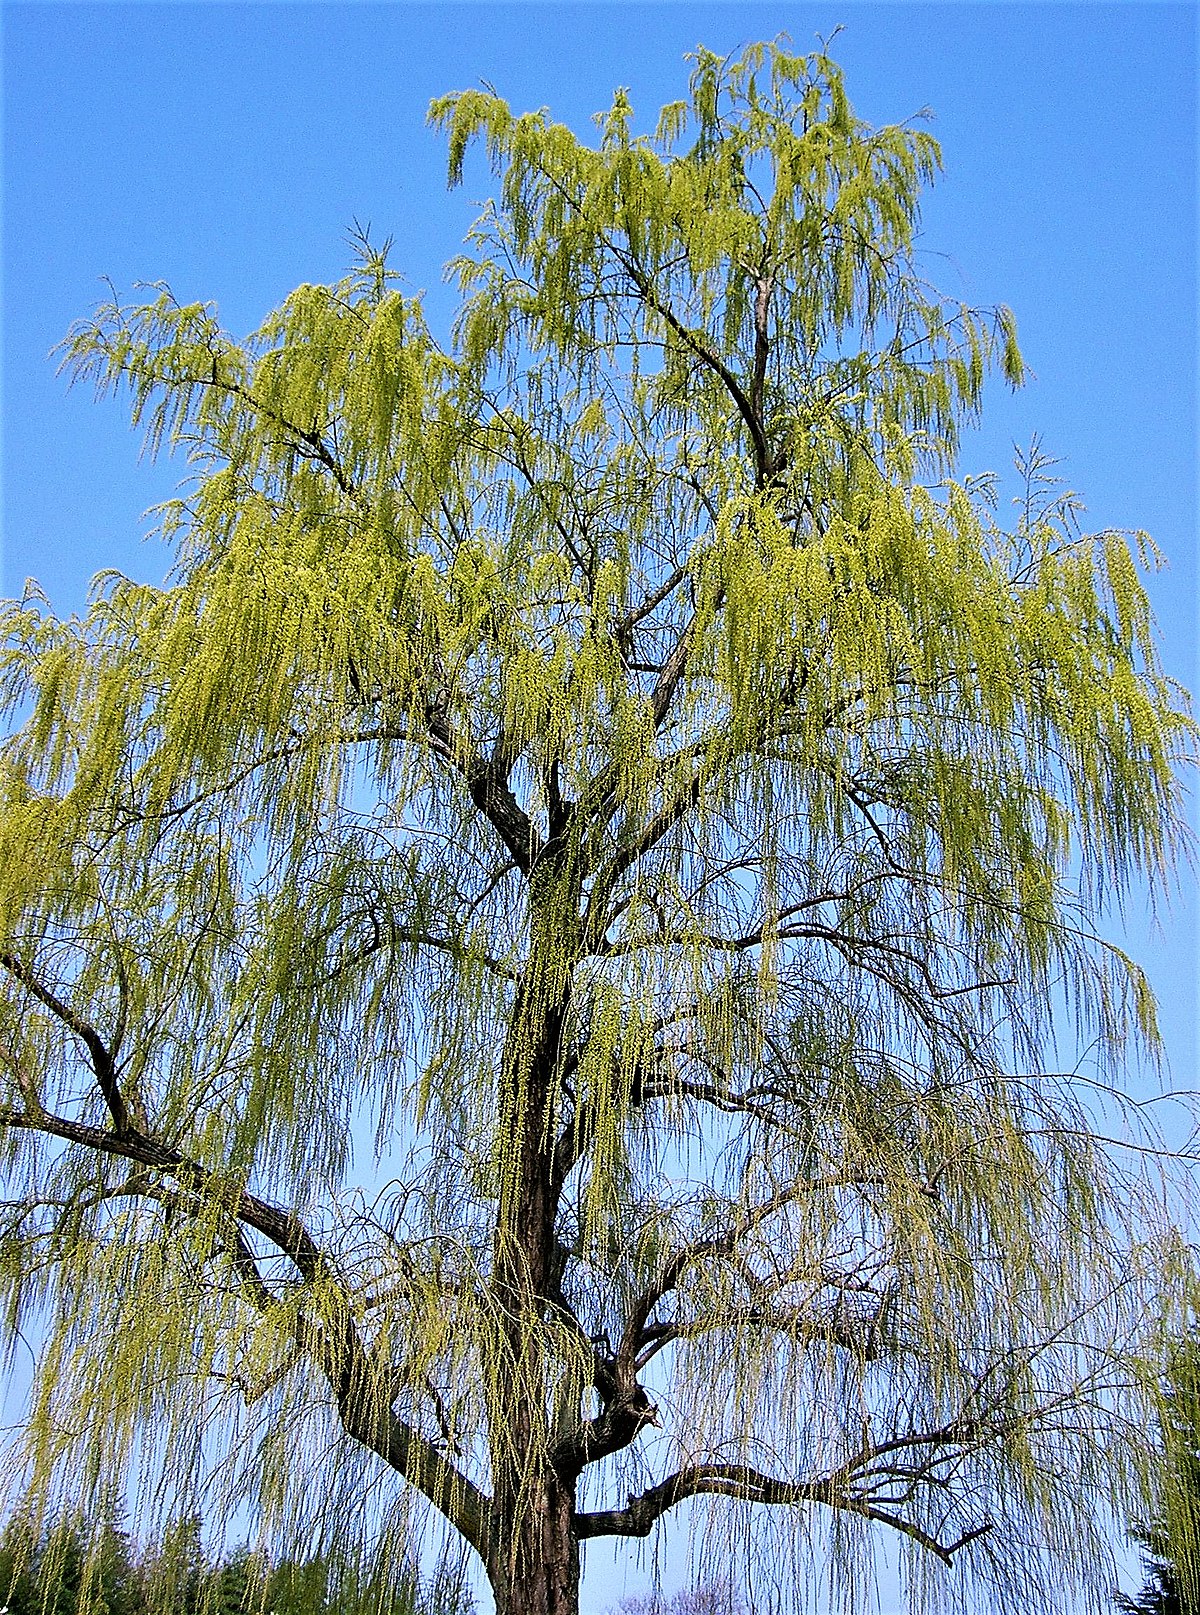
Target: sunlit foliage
532,964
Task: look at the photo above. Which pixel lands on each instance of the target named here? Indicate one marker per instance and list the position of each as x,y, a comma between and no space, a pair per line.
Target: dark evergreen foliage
1169,1542
79,1566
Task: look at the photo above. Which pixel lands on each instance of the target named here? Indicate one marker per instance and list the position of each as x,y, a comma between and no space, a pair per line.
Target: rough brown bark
535,1570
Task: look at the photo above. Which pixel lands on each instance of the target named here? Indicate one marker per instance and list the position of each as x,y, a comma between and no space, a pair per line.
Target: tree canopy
532,963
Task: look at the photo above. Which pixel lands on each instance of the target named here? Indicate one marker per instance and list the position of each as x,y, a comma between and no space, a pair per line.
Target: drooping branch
334,1346
307,441
626,1406
741,1482
712,1247
91,349
829,1326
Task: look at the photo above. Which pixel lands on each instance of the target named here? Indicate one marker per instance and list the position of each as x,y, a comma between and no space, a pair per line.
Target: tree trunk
535,1570
533,1566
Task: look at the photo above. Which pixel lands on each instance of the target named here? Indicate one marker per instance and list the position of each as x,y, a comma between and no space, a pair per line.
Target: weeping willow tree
531,964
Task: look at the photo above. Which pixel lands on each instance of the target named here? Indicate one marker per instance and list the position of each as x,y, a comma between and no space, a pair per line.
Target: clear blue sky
227,148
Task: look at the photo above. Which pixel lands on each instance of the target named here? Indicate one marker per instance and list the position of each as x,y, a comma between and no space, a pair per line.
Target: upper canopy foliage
606,757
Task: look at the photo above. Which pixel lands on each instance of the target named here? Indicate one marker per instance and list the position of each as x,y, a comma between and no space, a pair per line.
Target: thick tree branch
633,850
624,628
763,287
766,466
668,679
100,1056
626,1406
487,784
741,1482
334,1346
283,1228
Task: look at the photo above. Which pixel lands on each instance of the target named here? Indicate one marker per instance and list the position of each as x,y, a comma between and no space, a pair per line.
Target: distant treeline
80,1566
